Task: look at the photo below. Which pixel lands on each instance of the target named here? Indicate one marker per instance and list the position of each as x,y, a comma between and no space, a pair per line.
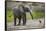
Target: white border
32,0
2,15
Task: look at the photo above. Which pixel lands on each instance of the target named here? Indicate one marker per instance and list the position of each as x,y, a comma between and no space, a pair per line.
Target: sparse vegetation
36,14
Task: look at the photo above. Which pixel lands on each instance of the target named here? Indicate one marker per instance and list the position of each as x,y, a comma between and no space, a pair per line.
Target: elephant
20,12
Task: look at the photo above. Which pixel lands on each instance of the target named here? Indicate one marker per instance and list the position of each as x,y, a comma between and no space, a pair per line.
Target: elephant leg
14,21
24,19
19,20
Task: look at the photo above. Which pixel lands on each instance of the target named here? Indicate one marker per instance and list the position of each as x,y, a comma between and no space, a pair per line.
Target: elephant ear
26,9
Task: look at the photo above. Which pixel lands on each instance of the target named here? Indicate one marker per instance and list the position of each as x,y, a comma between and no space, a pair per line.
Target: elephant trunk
31,15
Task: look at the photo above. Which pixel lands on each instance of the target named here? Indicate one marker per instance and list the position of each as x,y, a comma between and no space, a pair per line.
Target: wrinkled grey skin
17,12
20,12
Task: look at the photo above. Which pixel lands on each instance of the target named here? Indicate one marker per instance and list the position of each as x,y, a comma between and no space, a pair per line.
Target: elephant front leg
24,19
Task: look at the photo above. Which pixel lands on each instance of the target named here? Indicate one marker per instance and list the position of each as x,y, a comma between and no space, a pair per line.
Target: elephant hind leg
14,21
19,20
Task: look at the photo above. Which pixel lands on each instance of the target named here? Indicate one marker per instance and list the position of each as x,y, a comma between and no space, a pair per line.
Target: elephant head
26,9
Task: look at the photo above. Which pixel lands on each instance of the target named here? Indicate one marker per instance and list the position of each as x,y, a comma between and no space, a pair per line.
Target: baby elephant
20,12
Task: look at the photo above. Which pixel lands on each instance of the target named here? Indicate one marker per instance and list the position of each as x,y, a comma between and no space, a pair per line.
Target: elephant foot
24,24
14,25
18,24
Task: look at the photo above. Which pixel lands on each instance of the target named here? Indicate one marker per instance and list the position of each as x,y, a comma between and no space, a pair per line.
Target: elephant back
18,11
